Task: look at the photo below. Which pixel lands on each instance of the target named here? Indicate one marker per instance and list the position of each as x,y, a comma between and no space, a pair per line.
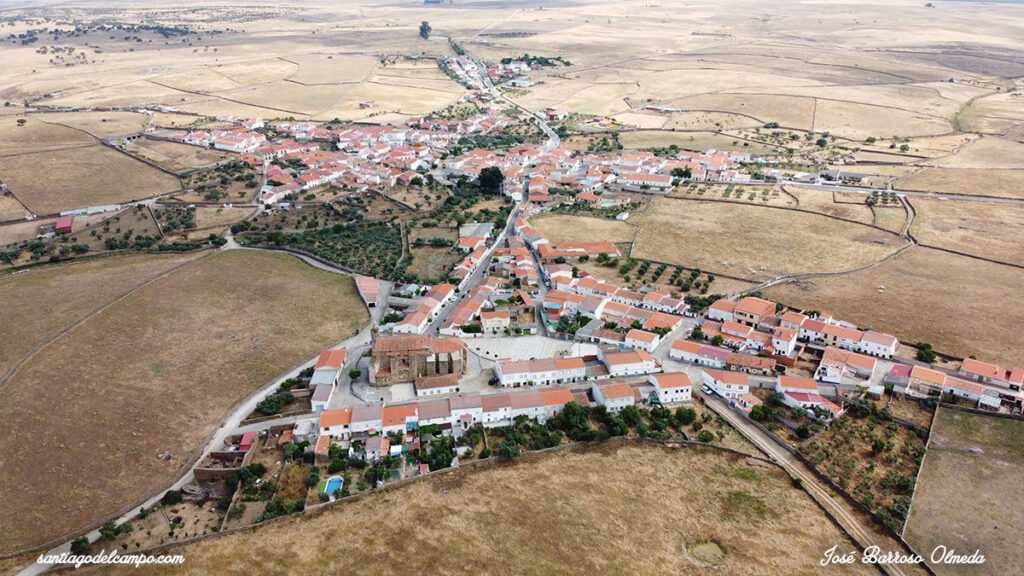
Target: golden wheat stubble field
617,507
87,417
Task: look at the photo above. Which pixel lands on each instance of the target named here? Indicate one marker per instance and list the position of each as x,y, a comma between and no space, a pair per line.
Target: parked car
493,381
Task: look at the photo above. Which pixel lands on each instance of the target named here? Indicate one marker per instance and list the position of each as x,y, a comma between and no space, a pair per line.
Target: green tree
685,416
80,546
425,29
925,352
761,413
705,436
490,180
630,415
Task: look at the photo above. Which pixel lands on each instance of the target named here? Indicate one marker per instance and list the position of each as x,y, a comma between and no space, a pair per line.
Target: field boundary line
920,468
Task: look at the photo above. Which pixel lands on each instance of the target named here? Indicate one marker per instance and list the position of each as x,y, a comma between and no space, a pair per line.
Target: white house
672,387
376,448
642,340
539,372
613,395
628,363
467,409
336,423
697,353
878,344
726,384
440,384
495,322
784,341
366,418
321,396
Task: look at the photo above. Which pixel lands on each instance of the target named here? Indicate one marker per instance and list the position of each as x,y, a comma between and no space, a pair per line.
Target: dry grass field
153,373
561,228
959,313
987,152
50,182
981,514
37,136
99,124
754,242
973,181
614,508
217,218
823,202
890,217
980,228
176,157
687,141
10,208
56,296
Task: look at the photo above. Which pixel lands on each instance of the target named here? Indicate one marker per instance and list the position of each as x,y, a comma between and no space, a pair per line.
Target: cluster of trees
274,403
281,507
373,249
541,60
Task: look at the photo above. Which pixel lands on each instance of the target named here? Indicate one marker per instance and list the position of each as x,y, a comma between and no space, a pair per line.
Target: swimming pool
333,485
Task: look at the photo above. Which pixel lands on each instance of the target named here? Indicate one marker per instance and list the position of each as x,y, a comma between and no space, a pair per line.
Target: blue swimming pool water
333,485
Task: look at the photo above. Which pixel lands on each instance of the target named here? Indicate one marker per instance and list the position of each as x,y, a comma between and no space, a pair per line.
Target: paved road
863,529
477,275
553,140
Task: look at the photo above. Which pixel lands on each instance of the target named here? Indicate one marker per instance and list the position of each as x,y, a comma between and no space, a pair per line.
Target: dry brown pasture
217,218
981,514
973,181
890,217
687,141
153,374
923,301
987,152
560,228
979,228
99,124
10,208
37,136
750,241
433,263
61,294
176,157
50,182
823,202
617,507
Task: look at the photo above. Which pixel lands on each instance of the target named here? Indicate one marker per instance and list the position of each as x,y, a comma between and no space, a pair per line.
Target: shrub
170,498
80,546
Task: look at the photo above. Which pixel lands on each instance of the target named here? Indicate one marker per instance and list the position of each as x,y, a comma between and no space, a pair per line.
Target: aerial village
517,335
